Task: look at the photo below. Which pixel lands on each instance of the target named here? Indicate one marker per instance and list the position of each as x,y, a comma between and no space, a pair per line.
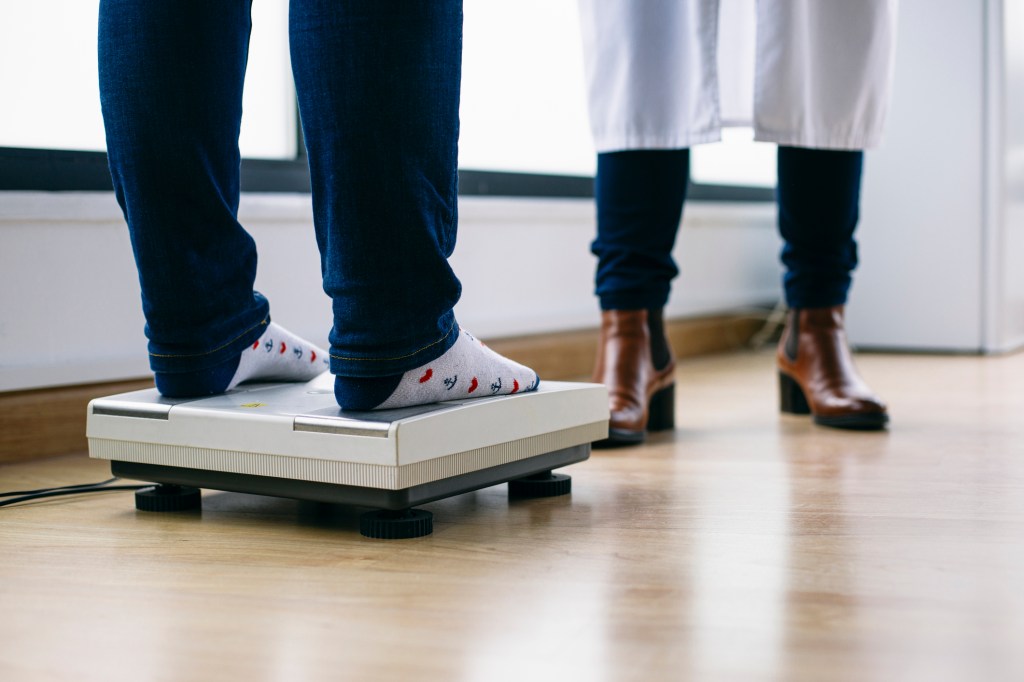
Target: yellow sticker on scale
253,405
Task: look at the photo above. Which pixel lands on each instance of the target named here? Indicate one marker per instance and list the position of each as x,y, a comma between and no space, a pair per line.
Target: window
51,94
524,105
524,124
523,93
735,161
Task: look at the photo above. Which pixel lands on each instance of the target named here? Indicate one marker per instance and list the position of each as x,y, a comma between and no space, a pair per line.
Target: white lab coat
821,79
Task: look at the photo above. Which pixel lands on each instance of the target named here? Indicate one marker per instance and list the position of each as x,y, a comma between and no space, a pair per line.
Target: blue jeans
378,91
640,197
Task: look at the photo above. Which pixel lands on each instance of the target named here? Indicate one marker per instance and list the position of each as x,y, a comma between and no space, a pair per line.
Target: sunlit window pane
523,95
736,160
48,75
524,102
50,95
270,116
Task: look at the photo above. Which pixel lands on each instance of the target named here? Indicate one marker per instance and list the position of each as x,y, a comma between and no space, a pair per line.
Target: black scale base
382,524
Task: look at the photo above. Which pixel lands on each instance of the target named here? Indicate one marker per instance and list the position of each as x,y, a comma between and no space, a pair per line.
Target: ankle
199,383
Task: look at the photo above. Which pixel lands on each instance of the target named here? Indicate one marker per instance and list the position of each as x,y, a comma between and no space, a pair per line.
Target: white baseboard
70,301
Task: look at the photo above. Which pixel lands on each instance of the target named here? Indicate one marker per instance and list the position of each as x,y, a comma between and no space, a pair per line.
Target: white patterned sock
279,355
468,369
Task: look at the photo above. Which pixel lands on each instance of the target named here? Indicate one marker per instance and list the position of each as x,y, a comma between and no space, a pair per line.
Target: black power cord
27,495
60,487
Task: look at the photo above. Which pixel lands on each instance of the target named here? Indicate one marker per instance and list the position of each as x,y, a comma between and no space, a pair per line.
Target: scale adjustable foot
166,498
544,484
396,525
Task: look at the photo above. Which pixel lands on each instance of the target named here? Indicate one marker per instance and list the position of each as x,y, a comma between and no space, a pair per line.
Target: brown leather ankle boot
640,397
817,375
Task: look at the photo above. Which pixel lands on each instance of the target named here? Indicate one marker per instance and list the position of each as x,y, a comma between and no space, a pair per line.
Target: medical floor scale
292,440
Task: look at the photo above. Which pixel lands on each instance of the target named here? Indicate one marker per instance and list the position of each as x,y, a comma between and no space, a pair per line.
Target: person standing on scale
378,86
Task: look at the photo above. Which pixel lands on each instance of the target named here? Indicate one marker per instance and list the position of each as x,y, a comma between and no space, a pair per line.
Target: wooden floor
743,546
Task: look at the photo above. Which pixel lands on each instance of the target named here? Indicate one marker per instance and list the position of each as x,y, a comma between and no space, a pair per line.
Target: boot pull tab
793,340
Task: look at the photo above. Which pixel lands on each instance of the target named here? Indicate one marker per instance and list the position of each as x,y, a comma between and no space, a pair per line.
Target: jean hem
803,303
633,302
367,367
172,363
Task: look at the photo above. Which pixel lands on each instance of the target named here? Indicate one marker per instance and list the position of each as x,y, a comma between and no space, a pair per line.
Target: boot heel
661,413
791,396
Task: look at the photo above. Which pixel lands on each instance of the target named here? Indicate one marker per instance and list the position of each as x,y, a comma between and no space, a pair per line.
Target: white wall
942,230
919,285
1009,69
69,302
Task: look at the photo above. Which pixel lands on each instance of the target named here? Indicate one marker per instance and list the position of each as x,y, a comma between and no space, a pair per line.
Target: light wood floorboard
742,546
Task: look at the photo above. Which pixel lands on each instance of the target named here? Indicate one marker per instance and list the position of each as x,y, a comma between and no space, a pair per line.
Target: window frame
60,170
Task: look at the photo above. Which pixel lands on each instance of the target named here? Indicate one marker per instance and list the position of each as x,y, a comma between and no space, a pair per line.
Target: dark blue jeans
640,197
378,91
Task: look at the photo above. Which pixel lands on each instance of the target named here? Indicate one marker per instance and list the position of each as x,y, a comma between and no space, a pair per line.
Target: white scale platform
292,440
